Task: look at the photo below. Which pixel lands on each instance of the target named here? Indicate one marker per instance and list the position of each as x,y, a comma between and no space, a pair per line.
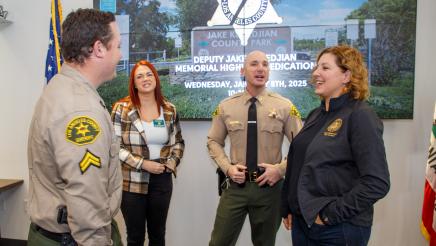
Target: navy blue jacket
345,169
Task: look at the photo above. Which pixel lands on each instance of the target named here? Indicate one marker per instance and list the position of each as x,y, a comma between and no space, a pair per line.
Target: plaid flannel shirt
133,144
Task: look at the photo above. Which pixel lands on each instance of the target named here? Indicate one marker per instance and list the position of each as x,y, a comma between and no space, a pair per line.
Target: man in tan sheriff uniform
256,192
75,176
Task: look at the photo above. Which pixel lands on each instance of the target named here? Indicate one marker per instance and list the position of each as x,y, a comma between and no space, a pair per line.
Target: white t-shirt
157,135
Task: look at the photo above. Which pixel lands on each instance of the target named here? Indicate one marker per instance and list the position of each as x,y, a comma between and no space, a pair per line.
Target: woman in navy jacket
337,165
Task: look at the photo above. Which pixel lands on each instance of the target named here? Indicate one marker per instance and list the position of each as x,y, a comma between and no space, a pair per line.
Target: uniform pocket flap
235,126
272,127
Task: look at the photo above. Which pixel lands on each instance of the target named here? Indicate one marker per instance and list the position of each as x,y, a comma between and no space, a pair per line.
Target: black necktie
251,157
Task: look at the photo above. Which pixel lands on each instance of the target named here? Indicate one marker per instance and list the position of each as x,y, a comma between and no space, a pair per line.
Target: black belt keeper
65,239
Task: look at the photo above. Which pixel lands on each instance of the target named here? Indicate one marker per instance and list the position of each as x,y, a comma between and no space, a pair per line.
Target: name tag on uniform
158,123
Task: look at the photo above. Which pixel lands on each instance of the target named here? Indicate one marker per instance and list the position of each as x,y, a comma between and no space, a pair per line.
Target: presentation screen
199,46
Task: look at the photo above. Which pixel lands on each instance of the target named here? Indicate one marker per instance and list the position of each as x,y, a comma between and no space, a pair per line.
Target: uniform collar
260,98
336,103
70,72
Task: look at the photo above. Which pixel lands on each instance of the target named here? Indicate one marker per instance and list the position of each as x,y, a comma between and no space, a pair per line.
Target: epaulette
293,110
217,109
233,97
278,96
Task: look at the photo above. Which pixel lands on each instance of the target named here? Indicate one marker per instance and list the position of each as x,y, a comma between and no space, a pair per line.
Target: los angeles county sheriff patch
82,130
294,112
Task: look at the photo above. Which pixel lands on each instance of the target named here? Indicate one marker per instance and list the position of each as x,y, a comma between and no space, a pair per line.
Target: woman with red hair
148,128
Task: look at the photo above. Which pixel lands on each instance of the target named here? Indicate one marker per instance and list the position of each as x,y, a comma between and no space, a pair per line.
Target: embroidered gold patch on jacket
216,112
333,128
82,130
294,112
89,159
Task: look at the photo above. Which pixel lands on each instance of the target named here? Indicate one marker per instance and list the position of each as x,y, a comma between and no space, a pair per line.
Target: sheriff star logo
243,15
82,130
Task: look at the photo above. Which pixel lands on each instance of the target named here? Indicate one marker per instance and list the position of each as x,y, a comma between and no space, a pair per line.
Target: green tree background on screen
394,48
393,55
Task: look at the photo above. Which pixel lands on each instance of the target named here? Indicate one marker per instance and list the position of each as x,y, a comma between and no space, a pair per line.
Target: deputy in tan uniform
75,176
254,190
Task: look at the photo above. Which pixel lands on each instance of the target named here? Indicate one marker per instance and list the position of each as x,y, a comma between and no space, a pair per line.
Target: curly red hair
349,58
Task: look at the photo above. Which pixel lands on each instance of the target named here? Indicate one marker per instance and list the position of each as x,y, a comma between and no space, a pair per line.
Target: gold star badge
89,159
82,129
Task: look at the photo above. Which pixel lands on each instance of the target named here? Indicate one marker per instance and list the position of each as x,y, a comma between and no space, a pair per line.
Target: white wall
22,56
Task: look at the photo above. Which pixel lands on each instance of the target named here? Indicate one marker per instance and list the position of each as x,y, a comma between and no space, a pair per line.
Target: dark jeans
326,235
151,209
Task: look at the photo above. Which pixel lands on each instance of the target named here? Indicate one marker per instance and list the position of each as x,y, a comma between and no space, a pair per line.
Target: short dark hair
81,29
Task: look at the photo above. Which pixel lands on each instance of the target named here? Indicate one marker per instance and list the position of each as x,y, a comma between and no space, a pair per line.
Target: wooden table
6,184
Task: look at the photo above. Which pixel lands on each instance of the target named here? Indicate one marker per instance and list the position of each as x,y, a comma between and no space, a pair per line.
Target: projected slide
198,47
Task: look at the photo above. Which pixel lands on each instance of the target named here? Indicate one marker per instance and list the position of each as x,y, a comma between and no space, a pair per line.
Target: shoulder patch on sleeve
216,111
89,159
82,130
294,112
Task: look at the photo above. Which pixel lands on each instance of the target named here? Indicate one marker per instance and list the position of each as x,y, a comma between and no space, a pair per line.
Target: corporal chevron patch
89,159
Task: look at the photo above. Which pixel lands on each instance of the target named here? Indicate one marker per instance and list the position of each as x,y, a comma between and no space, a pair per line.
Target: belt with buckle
251,176
58,237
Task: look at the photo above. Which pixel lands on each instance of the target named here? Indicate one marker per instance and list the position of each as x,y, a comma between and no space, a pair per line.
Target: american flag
54,59
428,223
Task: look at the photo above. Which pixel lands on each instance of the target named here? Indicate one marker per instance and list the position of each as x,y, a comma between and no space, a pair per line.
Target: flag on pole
54,59
428,225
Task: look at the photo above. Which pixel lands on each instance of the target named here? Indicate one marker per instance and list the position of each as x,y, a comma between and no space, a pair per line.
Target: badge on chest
158,123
